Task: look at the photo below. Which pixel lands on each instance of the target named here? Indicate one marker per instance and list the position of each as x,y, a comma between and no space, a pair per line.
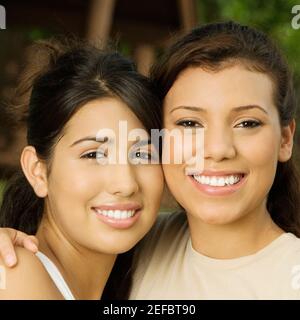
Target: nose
122,180
218,144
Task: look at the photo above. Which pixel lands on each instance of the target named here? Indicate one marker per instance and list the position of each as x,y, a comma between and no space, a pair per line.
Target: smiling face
243,142
106,208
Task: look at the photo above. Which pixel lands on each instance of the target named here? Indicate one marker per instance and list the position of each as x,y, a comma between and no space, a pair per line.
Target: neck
85,271
233,240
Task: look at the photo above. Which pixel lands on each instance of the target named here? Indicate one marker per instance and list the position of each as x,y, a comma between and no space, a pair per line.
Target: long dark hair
218,45
71,75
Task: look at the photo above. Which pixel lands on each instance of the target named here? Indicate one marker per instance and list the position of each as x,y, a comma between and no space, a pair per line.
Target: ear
286,145
35,171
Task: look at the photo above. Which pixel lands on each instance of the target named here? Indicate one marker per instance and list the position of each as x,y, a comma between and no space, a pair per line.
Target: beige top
169,268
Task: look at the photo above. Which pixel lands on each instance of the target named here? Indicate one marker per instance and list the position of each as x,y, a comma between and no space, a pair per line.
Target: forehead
100,114
231,85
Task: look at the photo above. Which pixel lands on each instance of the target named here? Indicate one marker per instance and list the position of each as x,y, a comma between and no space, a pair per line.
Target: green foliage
124,47
35,34
272,16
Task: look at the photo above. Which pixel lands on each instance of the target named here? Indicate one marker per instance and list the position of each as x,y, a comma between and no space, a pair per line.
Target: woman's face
103,207
243,142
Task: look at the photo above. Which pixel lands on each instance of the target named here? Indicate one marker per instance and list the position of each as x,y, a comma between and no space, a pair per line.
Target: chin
118,248
214,216
113,249
213,220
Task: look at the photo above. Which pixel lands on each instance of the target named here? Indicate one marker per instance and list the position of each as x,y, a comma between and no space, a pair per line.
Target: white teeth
218,181
221,182
116,214
124,215
231,180
110,213
214,181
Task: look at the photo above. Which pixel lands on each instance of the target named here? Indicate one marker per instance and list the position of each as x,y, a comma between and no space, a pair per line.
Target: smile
213,183
117,214
218,181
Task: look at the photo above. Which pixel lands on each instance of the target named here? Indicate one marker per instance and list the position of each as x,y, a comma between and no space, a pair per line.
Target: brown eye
90,155
93,155
188,123
249,124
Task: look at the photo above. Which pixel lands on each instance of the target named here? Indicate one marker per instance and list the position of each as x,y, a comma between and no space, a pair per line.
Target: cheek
151,182
73,180
174,177
261,151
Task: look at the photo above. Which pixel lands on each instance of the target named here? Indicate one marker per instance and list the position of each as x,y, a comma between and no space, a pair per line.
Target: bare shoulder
28,280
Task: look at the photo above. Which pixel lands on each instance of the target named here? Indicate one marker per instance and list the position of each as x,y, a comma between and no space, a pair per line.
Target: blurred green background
272,16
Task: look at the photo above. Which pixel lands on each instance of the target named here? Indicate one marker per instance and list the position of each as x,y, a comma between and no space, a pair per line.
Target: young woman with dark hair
237,235
84,213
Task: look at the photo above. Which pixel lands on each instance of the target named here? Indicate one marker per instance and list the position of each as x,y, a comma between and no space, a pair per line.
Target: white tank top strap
56,276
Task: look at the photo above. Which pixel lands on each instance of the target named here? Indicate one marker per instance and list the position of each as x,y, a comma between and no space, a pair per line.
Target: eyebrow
139,143
197,109
90,138
236,109
243,108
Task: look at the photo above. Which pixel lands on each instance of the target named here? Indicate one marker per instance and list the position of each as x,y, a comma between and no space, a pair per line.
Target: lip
219,191
119,206
119,223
